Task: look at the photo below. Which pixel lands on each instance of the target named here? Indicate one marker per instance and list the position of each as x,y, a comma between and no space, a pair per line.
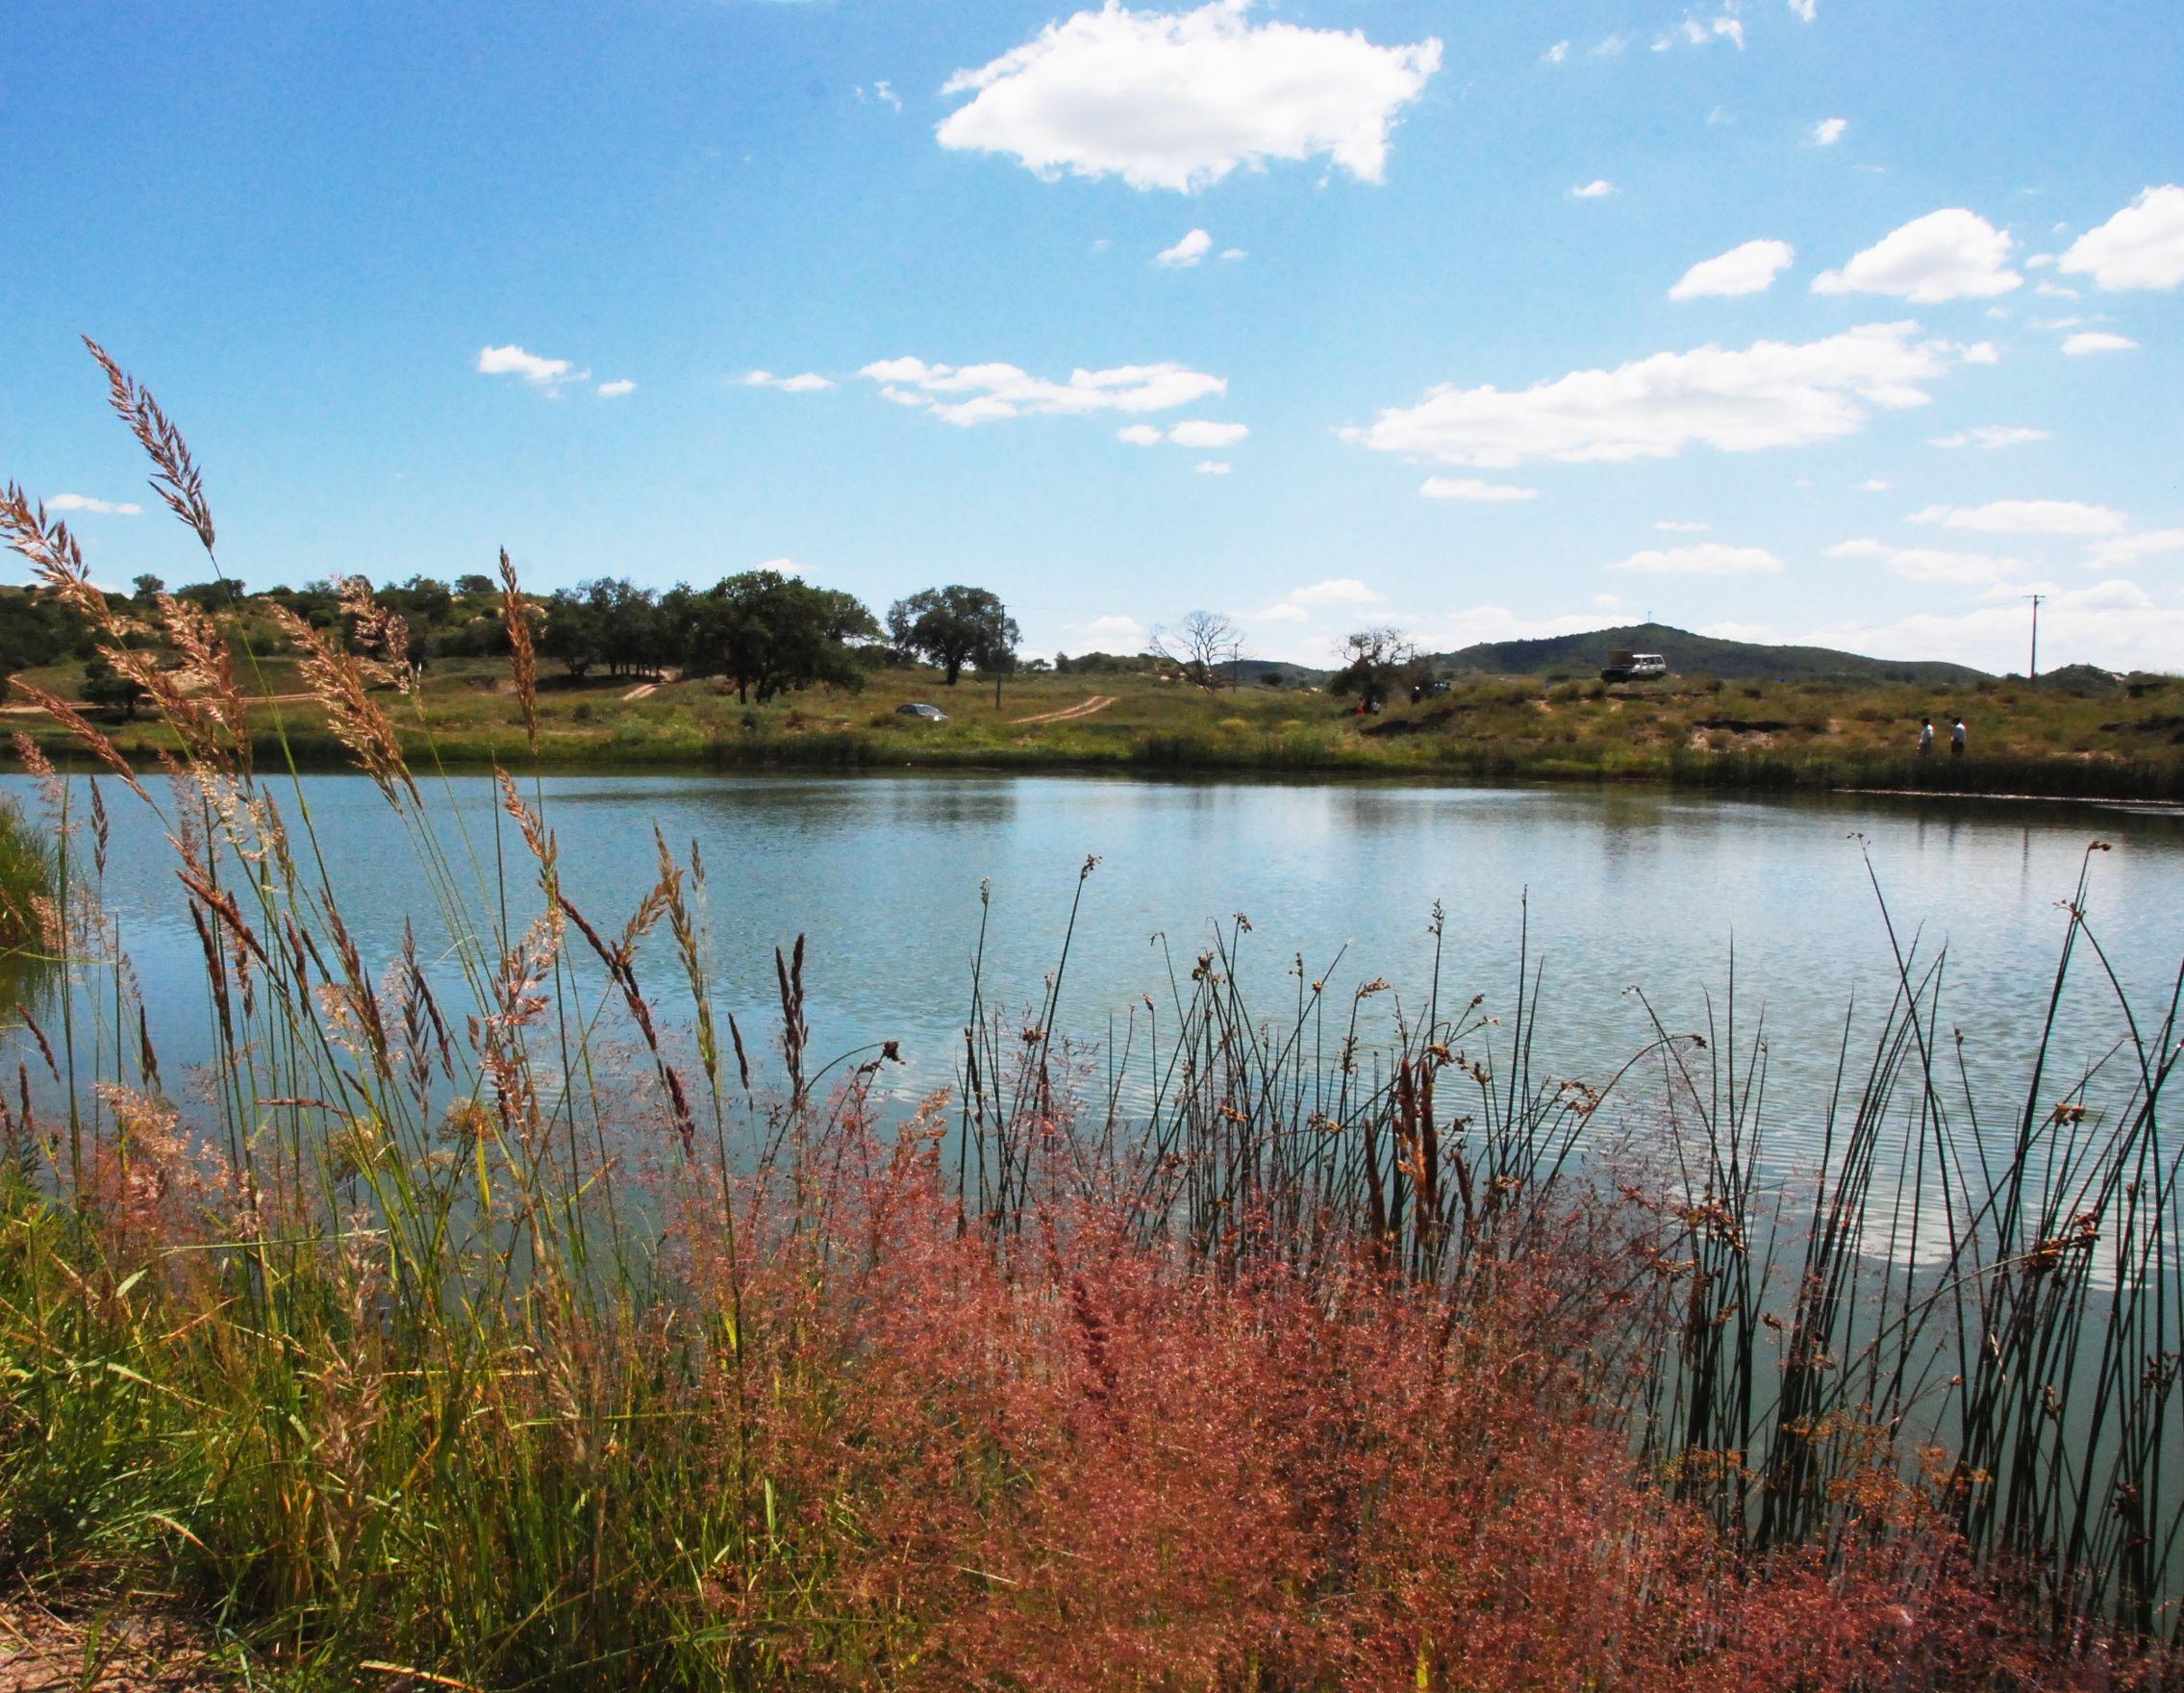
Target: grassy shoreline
1188,753
1979,780
1696,732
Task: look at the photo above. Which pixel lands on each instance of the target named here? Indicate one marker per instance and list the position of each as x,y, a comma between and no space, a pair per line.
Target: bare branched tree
1207,646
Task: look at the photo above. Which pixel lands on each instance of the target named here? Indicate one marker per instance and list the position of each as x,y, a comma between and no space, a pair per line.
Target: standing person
1956,739
1926,739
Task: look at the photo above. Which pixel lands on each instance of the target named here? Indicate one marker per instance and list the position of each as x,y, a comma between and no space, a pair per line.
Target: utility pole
2032,669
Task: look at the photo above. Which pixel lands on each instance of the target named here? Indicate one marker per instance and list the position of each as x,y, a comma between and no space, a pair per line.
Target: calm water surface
1626,887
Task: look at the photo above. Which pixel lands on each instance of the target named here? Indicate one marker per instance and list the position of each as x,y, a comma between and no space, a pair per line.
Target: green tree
108,688
626,624
955,626
1376,662
766,633
571,635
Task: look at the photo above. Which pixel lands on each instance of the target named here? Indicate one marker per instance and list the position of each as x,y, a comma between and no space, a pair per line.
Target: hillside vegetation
2110,740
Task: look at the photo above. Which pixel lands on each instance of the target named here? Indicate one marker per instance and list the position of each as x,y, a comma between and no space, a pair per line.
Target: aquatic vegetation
26,879
507,1319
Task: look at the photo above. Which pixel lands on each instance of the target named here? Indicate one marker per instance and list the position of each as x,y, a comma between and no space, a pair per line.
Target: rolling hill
1690,654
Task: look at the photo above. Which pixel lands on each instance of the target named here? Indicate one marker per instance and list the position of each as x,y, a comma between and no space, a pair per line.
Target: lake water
1627,886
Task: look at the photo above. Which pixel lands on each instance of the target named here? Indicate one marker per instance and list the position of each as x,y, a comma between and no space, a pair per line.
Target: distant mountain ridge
1689,654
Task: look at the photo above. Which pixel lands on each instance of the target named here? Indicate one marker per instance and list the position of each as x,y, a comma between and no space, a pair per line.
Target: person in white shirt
1956,739
1926,739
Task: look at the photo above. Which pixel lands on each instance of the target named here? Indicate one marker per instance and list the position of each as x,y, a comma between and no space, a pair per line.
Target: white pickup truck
1633,667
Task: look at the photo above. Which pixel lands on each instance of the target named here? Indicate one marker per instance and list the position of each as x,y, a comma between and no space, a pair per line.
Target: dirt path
135,1651
1084,708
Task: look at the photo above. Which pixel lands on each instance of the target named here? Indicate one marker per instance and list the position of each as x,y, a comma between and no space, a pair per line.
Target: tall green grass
26,873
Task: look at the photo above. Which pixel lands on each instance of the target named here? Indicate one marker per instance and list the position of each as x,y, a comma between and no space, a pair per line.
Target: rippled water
1626,887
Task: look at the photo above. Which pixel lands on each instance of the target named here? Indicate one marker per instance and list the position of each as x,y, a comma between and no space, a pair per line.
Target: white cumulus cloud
1927,564
615,390
514,360
1557,53
1598,188
1181,99
1197,432
2027,517
2117,625
981,393
1337,591
1947,255
2097,341
1113,627
2124,551
1698,30
1829,131
1747,269
1470,488
2141,246
84,502
1771,393
1185,252
1705,558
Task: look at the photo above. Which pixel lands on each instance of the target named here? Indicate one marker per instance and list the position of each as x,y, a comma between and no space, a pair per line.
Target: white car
1633,667
931,714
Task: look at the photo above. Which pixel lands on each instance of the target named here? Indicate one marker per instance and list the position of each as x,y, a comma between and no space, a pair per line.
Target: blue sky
388,266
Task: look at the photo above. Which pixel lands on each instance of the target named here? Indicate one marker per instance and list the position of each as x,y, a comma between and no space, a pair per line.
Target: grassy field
1689,730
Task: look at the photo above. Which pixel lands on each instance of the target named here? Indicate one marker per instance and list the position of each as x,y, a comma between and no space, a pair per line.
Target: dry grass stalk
176,478
338,680
94,737
523,654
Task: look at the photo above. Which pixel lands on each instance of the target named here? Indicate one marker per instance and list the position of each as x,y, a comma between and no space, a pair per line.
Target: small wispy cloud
1198,432
84,502
1476,490
810,382
1829,131
1185,252
535,369
1708,558
1598,188
615,390
1990,436
2097,341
